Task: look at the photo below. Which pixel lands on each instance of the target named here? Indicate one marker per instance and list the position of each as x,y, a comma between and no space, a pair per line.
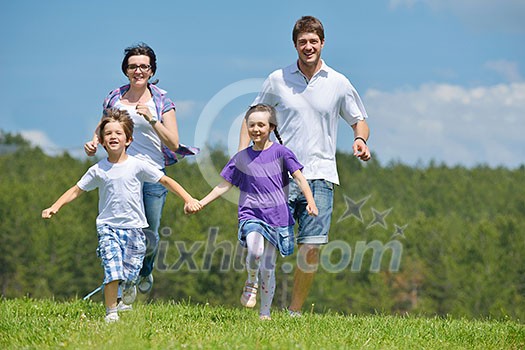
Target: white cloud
507,69
185,108
450,124
40,139
481,15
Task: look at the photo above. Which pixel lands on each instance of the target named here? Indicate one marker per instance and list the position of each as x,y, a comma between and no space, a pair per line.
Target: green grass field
48,324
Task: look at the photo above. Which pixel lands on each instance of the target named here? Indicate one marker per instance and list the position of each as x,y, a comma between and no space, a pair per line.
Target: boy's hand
48,213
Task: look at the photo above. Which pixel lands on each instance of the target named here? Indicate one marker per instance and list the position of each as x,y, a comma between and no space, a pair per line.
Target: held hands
192,206
361,150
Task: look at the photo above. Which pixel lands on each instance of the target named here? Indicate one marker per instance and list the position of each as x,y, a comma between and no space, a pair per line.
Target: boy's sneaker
145,284
123,307
112,317
129,293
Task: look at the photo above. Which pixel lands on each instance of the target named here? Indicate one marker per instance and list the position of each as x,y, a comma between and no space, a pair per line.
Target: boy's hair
141,49
307,24
261,107
119,116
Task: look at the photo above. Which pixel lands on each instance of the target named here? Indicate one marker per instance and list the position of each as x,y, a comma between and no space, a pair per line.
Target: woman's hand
144,111
90,147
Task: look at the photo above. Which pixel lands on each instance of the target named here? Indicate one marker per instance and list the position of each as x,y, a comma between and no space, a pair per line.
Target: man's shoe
294,313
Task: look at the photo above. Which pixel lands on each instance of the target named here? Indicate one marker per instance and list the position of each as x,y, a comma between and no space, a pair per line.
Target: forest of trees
428,240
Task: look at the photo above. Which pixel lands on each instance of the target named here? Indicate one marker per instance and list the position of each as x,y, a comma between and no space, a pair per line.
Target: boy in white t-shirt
121,218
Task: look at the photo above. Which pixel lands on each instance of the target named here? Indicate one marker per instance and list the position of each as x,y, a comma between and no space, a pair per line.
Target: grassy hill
47,324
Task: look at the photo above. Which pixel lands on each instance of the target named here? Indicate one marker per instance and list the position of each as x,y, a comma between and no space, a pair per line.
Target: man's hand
361,150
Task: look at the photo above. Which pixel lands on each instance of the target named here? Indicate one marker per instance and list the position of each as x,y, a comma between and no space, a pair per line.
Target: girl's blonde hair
261,107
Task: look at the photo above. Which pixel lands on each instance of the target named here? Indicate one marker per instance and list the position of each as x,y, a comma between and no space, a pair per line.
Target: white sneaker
145,284
249,294
129,293
294,313
123,307
112,317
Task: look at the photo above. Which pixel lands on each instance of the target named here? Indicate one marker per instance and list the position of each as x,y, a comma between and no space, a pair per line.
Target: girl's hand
48,213
312,210
144,111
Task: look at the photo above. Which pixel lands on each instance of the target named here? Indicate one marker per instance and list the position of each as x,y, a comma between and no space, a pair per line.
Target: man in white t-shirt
309,98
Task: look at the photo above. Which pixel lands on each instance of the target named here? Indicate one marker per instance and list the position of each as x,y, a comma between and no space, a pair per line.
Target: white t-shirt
308,115
146,143
120,202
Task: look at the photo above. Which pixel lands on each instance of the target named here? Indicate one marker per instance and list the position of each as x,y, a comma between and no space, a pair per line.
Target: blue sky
442,80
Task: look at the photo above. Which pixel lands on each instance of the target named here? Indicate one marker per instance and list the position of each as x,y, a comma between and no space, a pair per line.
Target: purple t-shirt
262,178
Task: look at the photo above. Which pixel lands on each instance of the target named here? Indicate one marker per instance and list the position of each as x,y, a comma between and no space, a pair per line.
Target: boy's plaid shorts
121,252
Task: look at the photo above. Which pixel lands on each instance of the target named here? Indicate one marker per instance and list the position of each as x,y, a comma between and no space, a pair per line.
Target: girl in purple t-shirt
261,174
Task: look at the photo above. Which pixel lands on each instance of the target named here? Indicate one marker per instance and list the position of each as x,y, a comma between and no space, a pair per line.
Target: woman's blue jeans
154,199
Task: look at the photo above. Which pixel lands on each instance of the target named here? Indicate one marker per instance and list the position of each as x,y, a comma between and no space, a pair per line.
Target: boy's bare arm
191,205
176,188
67,197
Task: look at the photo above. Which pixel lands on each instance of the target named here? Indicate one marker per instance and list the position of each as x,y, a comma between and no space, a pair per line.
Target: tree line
429,240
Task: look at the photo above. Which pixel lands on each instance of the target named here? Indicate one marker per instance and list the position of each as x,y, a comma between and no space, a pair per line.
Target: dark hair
141,49
307,24
119,116
261,107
